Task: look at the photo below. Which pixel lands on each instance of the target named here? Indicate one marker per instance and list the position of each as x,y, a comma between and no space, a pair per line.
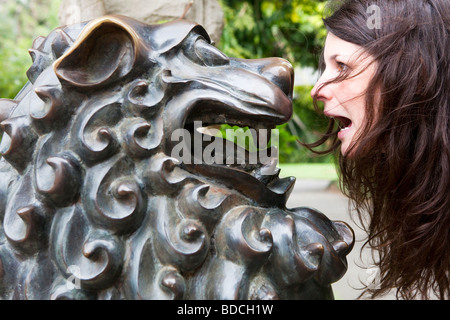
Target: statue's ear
105,51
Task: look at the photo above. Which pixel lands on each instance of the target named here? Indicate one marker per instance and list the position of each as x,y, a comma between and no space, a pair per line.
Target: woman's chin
346,149
346,137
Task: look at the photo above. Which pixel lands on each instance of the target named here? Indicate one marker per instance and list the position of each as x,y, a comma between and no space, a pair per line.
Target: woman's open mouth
344,125
343,122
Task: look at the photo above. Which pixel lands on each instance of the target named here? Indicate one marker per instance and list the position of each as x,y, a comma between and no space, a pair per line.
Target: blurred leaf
22,22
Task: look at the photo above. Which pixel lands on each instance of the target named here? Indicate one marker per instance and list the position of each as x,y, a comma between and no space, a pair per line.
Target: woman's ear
104,52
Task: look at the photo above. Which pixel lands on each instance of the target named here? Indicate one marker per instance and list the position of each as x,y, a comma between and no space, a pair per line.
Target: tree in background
294,31
279,28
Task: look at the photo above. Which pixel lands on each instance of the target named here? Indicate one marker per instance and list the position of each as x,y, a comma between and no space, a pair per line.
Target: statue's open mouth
219,138
251,94
246,150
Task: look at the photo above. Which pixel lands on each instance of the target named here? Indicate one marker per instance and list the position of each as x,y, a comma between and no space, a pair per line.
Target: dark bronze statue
94,204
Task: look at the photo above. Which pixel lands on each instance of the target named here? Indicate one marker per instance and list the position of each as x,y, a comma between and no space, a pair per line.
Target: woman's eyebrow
333,57
330,59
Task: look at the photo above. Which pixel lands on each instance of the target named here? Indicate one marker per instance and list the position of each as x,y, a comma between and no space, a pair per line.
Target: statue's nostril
281,73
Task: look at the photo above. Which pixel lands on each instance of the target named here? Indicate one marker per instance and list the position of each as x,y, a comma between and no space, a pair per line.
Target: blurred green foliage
21,22
291,29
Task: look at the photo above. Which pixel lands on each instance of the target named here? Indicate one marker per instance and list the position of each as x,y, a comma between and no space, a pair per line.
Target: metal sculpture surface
93,204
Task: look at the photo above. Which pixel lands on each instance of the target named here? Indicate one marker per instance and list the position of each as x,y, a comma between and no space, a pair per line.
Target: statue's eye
210,55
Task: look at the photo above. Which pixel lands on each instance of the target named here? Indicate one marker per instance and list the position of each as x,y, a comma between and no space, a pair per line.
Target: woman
385,87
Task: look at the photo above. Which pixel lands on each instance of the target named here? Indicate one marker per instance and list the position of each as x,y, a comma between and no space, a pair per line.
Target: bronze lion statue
94,204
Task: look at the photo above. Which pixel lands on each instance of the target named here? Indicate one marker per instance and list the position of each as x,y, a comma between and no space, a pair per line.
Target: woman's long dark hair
399,169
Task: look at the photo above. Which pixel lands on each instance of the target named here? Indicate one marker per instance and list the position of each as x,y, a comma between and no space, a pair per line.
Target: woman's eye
210,55
342,67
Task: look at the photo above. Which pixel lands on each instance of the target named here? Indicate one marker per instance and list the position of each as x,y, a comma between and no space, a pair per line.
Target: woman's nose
320,91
